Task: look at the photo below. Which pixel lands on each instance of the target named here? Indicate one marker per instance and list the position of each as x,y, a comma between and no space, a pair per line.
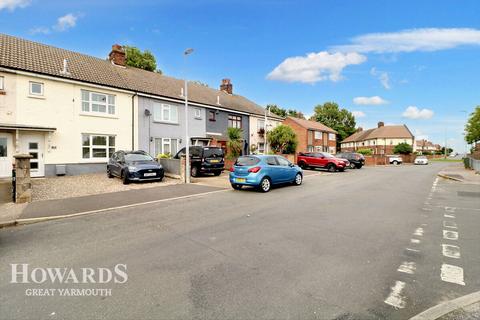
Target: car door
287,171
273,169
321,160
118,163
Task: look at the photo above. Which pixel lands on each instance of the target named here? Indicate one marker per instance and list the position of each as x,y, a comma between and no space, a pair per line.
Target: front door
34,145
6,154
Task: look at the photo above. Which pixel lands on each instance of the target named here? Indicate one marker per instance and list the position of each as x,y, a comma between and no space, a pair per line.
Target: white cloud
41,30
66,22
13,4
424,39
382,76
413,112
371,101
358,114
419,134
315,67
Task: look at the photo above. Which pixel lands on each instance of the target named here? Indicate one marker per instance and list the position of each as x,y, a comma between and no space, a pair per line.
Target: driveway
338,247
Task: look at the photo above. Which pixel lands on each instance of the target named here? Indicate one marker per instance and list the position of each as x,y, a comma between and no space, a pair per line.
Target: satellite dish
147,113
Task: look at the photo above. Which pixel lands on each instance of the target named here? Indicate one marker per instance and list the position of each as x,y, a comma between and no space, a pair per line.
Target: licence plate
214,161
150,174
240,180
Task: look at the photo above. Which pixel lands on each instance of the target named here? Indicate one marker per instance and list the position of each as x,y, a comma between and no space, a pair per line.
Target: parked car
421,160
134,166
322,160
396,160
357,160
204,160
264,171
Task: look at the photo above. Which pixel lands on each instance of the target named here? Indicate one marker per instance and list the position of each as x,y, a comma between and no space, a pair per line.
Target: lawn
446,160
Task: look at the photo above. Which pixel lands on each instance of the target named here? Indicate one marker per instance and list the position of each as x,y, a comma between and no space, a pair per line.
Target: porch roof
25,127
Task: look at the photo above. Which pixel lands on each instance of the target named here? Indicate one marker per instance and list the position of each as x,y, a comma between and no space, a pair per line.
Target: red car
321,160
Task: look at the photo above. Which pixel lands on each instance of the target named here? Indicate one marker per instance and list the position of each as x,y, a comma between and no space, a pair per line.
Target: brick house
426,146
312,136
381,140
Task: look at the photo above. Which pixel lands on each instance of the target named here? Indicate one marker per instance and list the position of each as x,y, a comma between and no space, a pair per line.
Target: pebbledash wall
60,107
159,134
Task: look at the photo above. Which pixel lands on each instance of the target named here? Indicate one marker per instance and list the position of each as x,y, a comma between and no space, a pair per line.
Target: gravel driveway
87,184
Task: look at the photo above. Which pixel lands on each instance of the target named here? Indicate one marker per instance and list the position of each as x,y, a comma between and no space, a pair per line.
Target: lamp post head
188,51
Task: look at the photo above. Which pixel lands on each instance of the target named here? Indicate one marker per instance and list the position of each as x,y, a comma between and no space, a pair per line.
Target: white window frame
91,146
163,142
34,93
317,135
332,136
90,102
260,124
159,110
197,113
2,83
261,149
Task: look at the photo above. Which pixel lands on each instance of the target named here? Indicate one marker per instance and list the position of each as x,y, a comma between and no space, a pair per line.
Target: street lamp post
187,138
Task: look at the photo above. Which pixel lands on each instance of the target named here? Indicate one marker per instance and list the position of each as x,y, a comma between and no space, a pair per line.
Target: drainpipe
133,120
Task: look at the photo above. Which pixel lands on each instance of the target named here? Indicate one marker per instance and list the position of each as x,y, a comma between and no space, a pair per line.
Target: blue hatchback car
263,171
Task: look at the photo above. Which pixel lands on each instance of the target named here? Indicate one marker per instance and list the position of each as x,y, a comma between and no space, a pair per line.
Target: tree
341,120
234,143
284,112
472,128
144,60
282,139
403,148
449,150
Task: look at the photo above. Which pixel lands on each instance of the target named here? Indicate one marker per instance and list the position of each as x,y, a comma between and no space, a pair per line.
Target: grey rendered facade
150,130
217,129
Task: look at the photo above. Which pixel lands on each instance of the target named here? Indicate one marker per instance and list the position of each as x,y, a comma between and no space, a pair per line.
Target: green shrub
164,156
234,143
282,139
365,152
403,148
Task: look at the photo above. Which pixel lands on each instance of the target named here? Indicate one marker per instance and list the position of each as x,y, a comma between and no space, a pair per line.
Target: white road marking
449,216
413,250
452,274
423,224
418,232
407,267
451,251
450,224
450,235
396,299
450,209
416,241
427,209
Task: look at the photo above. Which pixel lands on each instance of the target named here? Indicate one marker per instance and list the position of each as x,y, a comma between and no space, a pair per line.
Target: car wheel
217,173
194,171
109,173
265,185
303,165
395,163
352,165
359,167
341,169
298,179
236,186
331,167
125,178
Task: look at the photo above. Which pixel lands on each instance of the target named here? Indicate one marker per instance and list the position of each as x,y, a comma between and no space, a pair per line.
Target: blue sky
412,62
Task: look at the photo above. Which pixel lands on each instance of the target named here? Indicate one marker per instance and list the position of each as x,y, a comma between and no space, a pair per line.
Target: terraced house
381,140
70,111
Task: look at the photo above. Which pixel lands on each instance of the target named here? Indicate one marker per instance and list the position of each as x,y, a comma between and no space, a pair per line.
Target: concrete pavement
329,249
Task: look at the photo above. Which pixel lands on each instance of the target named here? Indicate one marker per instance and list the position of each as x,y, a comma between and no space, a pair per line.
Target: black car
205,160
357,160
134,166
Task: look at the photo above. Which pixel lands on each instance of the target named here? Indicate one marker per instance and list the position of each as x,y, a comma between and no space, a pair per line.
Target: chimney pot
380,124
117,55
359,129
226,86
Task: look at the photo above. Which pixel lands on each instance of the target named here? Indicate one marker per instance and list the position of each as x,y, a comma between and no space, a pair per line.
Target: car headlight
132,168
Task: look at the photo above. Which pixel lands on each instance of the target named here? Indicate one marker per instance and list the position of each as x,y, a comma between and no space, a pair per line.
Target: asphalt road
329,249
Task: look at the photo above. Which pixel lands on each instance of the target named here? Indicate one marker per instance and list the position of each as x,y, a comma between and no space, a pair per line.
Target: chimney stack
359,129
226,86
380,124
117,55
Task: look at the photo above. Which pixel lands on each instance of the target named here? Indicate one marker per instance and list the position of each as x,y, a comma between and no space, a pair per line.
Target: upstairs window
234,121
331,136
198,113
2,83
260,124
165,113
36,88
94,102
318,135
211,116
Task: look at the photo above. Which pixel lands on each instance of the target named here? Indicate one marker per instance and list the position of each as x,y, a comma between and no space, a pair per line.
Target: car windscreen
134,157
421,157
327,155
247,161
212,153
